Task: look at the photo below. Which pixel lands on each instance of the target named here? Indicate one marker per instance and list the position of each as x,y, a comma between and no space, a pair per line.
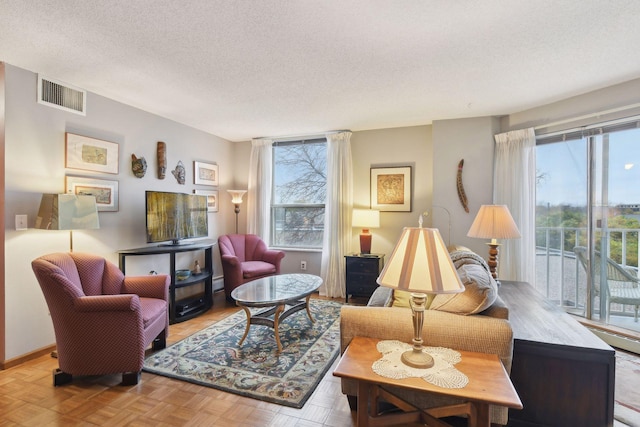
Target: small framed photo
391,189
205,173
105,191
212,199
90,154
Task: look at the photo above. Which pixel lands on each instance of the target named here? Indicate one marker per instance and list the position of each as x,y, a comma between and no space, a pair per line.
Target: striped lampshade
420,263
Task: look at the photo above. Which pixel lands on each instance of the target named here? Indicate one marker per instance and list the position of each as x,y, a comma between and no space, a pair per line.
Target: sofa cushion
480,291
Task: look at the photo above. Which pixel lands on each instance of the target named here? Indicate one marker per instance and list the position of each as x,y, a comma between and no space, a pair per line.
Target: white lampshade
421,263
494,222
236,196
67,212
365,218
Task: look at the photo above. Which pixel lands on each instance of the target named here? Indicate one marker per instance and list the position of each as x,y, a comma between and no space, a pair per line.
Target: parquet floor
27,397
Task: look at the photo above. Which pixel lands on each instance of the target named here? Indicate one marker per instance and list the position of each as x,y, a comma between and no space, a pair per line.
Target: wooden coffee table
275,293
488,385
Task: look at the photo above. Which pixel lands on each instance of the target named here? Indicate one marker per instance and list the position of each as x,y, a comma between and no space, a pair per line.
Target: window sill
291,249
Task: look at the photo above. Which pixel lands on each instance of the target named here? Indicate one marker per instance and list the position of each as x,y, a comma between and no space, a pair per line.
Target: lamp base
416,358
365,242
492,262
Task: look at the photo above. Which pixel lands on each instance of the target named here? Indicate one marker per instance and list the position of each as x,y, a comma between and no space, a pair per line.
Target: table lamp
236,199
420,264
67,212
366,219
494,222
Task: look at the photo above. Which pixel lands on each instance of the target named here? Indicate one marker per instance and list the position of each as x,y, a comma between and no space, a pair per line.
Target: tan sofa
483,329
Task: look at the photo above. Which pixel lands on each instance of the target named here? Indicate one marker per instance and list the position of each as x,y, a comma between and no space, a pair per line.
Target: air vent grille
60,95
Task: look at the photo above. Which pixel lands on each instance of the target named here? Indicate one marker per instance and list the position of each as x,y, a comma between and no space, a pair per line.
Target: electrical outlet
303,265
21,222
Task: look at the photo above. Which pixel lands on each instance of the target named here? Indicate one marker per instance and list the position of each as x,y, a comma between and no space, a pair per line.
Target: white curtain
259,193
514,185
337,217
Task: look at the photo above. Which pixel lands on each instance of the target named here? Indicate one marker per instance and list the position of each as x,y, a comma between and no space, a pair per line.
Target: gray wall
35,164
471,140
408,146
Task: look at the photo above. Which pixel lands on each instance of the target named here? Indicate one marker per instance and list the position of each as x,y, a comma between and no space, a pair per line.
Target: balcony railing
559,275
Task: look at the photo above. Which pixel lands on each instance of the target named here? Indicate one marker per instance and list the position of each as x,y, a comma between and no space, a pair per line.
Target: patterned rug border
229,322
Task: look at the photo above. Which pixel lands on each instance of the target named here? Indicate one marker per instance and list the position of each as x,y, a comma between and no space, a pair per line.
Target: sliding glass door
587,221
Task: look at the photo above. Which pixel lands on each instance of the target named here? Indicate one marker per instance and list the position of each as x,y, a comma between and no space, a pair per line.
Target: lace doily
442,374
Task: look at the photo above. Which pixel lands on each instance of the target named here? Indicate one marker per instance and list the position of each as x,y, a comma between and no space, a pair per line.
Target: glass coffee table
275,293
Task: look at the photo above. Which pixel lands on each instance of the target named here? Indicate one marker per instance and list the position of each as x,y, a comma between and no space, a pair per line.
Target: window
299,193
587,196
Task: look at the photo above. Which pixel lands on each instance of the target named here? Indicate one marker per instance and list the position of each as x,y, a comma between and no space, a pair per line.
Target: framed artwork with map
391,189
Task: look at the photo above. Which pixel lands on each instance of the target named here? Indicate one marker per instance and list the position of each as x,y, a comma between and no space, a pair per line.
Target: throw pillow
401,298
480,292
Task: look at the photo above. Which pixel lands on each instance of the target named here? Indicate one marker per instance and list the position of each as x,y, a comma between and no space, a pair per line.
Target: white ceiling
240,69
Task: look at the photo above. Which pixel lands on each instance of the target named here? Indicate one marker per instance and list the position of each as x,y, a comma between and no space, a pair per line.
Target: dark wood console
180,311
564,374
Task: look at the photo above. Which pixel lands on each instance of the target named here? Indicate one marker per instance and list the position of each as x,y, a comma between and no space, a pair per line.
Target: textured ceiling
241,69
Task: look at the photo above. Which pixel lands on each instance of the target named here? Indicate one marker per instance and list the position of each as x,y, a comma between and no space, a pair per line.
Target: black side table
362,272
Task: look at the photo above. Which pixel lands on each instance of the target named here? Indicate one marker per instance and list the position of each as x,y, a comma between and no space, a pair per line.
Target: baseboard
618,341
10,363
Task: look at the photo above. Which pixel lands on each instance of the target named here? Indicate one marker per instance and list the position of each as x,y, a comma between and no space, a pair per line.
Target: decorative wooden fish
461,194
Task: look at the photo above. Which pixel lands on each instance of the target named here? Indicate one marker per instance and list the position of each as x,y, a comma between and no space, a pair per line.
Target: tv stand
175,245
190,307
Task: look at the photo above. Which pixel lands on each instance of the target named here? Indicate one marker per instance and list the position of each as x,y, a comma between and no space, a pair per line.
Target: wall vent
61,95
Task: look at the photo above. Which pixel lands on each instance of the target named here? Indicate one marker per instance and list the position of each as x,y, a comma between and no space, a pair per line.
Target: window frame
276,206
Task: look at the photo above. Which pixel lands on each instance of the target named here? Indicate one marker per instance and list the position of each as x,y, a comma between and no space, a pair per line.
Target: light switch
21,222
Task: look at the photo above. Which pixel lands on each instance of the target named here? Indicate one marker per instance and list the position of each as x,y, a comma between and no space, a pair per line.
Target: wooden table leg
246,329
366,408
481,416
309,309
276,323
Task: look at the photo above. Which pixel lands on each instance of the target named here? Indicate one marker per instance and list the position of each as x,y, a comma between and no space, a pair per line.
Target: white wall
35,165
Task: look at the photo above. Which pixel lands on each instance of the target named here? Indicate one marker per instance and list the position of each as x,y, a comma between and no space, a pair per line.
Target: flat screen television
172,217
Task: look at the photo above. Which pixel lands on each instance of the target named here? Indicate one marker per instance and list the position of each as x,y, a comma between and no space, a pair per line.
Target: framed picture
391,189
90,154
212,199
205,173
105,191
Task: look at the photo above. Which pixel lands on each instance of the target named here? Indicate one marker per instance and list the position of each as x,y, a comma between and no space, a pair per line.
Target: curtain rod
310,135
587,116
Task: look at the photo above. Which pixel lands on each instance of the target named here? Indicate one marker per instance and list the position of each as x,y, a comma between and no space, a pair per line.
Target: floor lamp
67,212
494,222
236,199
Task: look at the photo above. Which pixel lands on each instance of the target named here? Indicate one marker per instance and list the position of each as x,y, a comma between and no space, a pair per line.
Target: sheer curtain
514,185
337,217
259,192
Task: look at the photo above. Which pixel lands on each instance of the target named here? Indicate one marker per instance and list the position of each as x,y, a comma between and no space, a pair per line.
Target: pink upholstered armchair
103,321
245,257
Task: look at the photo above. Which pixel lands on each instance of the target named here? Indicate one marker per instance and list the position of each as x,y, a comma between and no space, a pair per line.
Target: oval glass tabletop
276,289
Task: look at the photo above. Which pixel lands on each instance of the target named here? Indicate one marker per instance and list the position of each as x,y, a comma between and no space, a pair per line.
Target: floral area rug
212,357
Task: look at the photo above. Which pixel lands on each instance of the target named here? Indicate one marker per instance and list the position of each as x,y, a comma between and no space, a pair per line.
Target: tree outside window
299,193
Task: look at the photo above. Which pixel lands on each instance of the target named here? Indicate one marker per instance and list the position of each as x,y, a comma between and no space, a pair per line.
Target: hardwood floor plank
28,398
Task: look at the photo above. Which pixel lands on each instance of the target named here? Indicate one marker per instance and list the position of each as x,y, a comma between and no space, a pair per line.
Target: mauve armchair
103,321
245,257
